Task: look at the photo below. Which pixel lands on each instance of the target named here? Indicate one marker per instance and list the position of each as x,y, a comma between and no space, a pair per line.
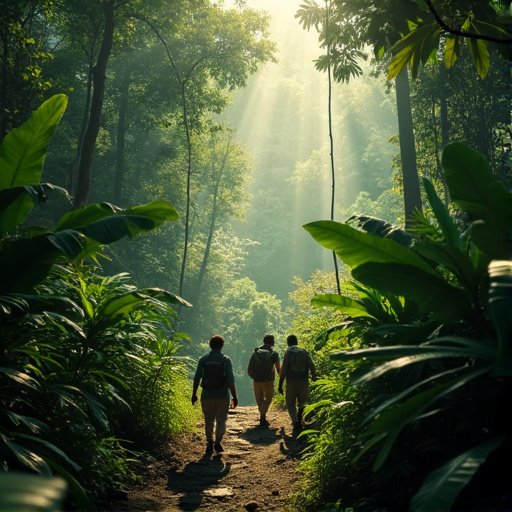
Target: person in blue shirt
214,373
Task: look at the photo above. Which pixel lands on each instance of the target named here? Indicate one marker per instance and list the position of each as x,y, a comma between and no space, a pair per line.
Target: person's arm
197,380
281,382
282,374
194,390
234,400
230,376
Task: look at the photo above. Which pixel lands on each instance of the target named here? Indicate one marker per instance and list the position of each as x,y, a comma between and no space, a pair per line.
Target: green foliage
453,369
20,491
73,341
453,23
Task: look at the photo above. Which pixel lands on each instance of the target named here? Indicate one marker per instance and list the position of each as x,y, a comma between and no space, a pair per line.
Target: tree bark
121,139
99,72
412,194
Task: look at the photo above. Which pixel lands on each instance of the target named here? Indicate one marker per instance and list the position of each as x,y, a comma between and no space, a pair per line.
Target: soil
256,472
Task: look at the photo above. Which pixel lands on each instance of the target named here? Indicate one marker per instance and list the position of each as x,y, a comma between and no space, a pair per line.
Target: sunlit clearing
282,117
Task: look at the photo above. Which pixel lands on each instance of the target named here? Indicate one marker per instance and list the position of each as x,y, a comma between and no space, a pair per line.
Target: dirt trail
258,465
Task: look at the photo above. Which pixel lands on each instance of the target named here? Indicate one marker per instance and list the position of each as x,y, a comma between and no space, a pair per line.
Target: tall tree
386,26
349,27
223,182
93,125
224,46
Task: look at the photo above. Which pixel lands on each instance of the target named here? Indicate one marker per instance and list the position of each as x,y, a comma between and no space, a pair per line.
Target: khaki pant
215,410
296,396
263,392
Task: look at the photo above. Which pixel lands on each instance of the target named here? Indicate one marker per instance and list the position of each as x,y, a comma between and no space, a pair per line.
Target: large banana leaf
442,486
474,189
450,232
500,308
388,425
127,302
356,247
23,150
25,262
432,293
343,304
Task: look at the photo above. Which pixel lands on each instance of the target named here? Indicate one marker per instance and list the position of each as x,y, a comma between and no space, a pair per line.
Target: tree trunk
86,157
121,139
412,195
445,127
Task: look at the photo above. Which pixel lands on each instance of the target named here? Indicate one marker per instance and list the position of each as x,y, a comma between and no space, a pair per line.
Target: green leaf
500,308
27,457
480,54
474,189
51,447
391,422
17,202
79,234
414,48
125,303
84,216
411,354
454,260
23,150
442,486
158,211
343,304
21,378
381,228
449,229
21,492
451,50
355,247
431,292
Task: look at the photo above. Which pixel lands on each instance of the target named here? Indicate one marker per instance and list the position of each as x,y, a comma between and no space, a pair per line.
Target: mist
282,118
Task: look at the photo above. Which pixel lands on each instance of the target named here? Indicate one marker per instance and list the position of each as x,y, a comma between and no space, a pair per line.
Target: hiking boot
209,446
218,447
264,422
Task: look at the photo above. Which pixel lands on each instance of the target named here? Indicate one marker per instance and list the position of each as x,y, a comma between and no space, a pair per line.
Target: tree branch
463,33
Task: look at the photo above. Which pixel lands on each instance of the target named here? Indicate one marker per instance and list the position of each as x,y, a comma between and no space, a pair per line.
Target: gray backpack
260,365
297,363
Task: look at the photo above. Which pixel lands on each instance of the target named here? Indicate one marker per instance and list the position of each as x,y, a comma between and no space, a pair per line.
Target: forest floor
256,472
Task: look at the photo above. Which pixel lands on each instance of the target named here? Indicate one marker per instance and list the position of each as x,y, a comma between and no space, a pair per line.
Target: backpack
214,374
260,364
298,363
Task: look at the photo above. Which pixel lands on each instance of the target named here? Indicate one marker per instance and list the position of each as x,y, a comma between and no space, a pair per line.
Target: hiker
215,374
262,369
297,365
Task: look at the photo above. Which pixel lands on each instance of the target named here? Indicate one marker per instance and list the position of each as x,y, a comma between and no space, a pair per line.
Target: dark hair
268,339
216,341
292,340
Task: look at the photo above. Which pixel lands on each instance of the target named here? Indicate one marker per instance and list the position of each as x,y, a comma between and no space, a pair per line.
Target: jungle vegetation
130,232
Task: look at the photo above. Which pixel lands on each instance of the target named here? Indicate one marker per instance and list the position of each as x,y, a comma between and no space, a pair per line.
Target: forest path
256,472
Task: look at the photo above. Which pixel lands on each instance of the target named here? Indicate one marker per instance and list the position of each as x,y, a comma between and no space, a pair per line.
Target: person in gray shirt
296,369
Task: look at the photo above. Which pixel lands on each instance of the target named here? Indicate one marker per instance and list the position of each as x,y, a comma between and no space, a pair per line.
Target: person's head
216,341
268,339
292,340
